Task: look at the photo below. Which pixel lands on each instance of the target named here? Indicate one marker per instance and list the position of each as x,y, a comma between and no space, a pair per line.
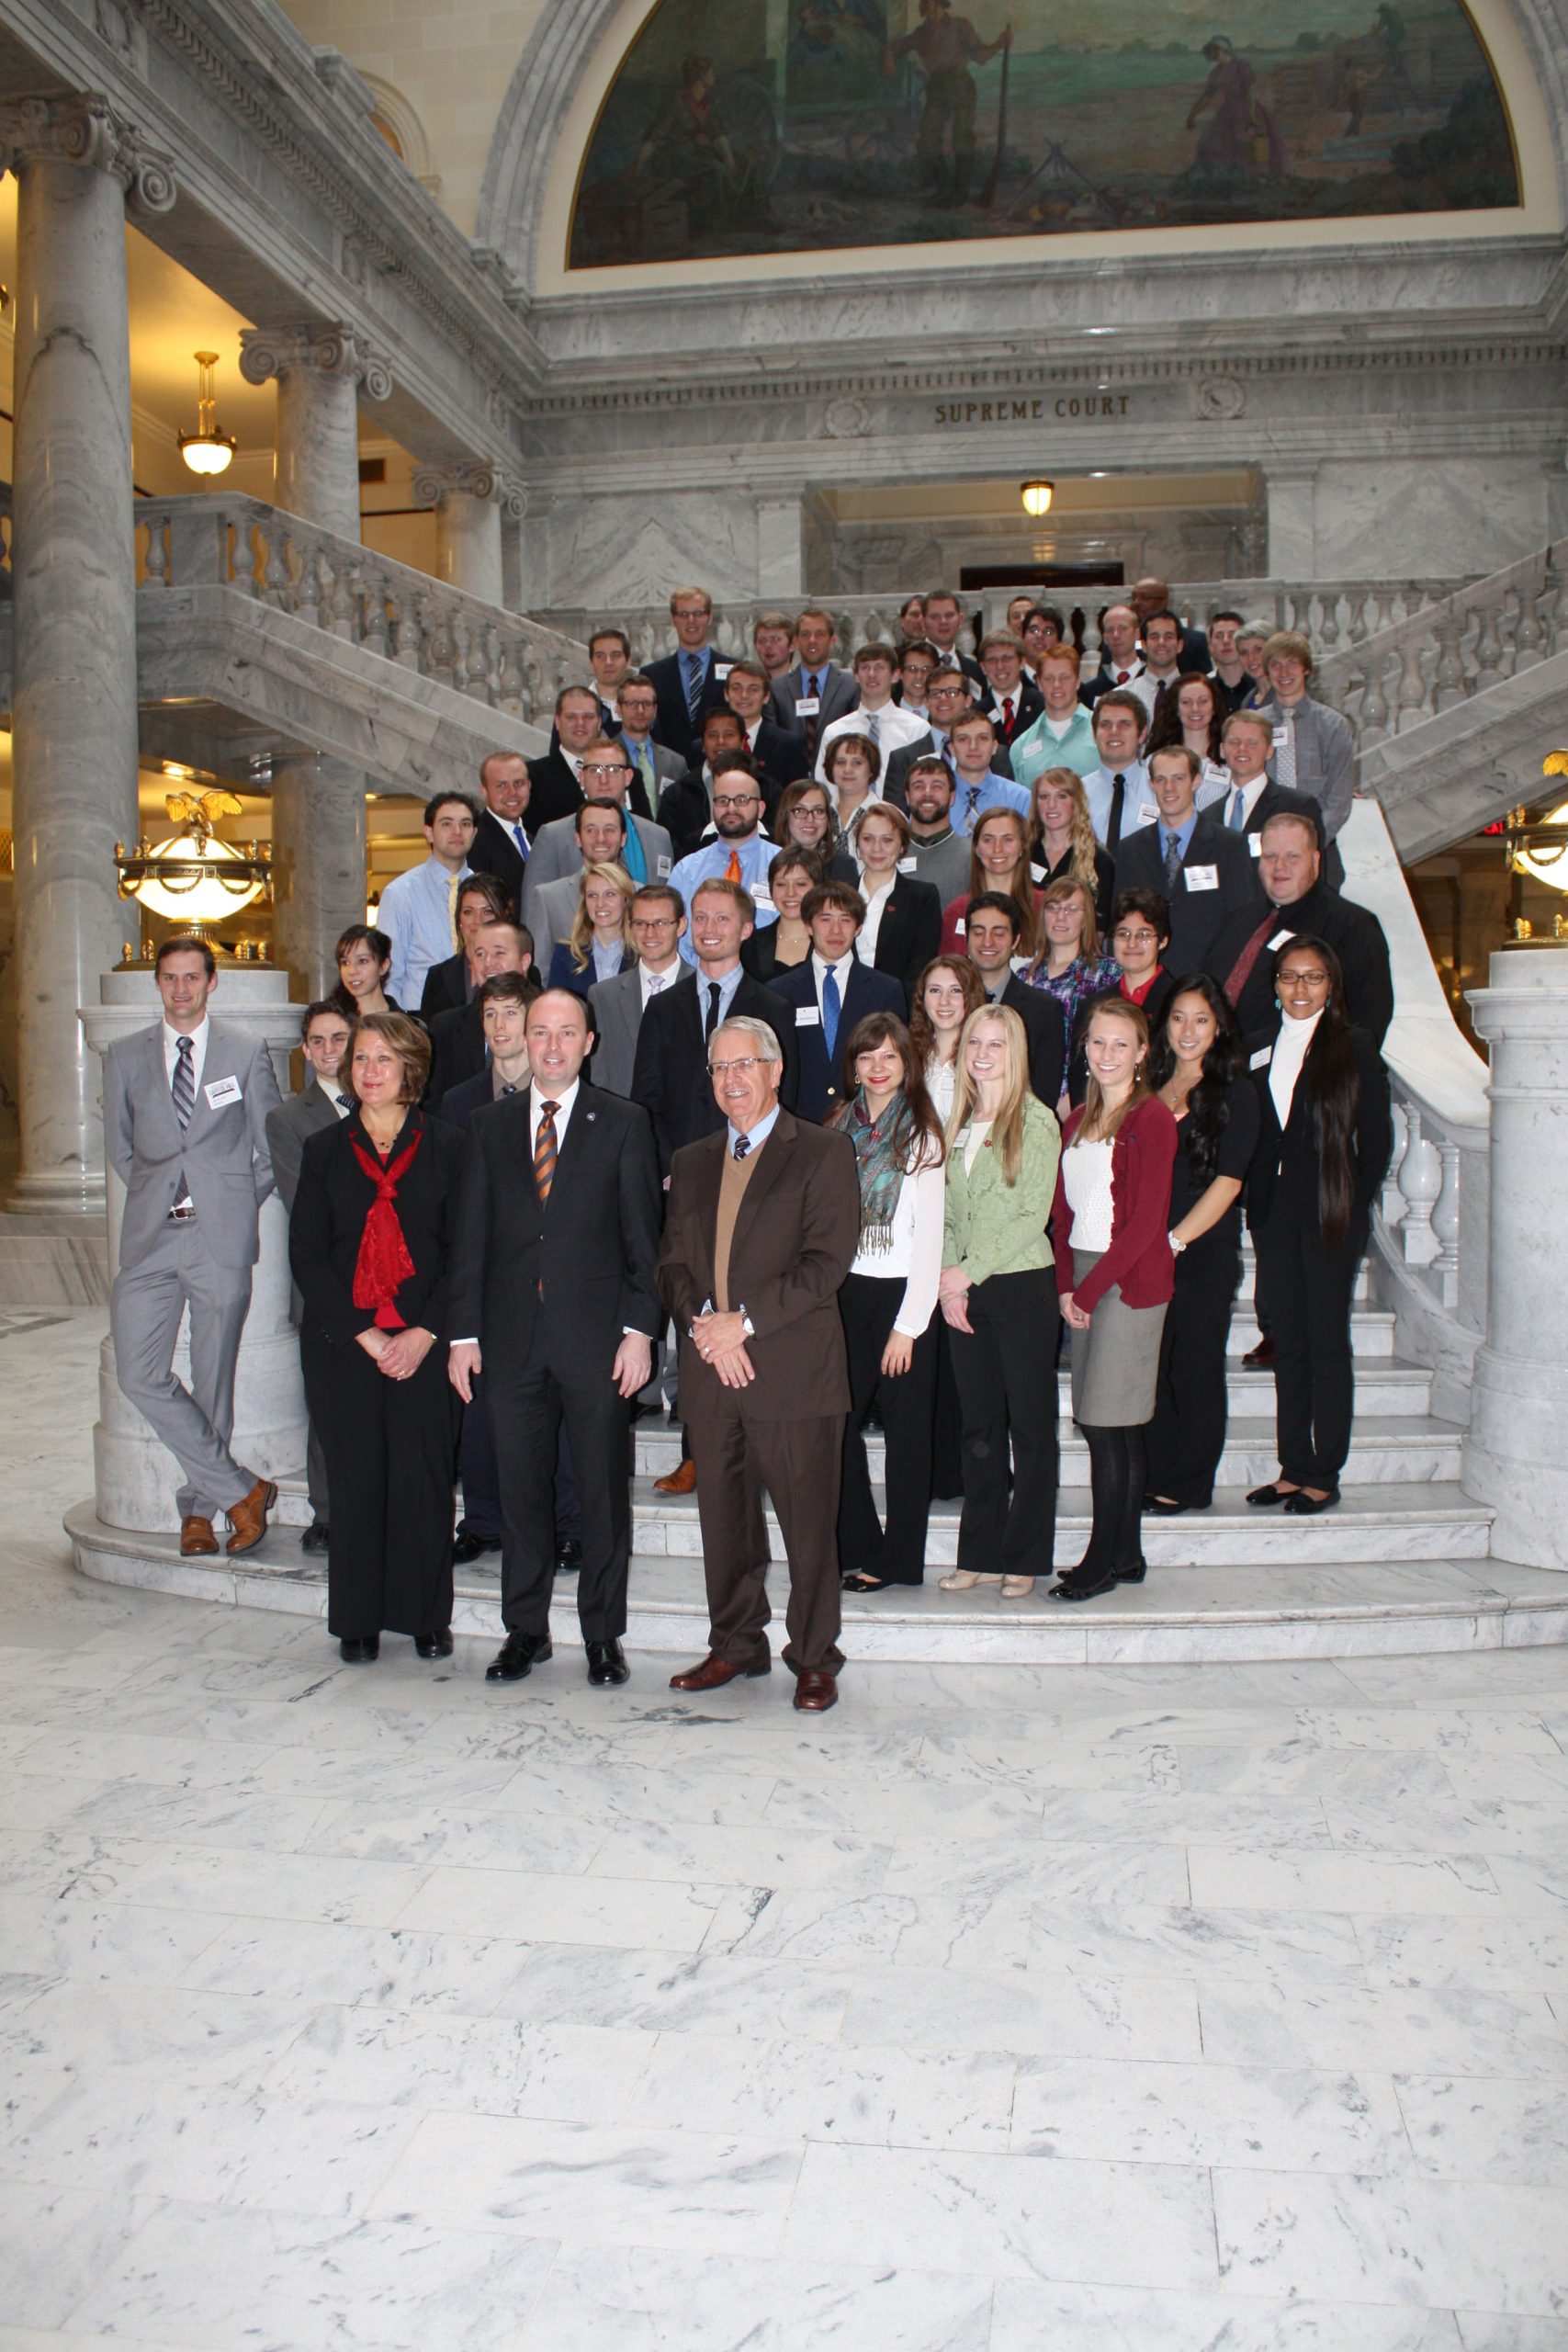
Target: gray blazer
289,1129
549,915
1325,757
618,1016
556,854
840,695
668,765
223,1155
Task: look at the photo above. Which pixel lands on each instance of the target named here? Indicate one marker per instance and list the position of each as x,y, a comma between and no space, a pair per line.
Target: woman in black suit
368,1242
779,946
1200,1074
903,915
1324,1143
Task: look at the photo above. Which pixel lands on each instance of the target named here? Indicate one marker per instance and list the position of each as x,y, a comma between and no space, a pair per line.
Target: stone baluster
509,686
1420,1184
1412,702
1392,1198
155,560
472,501
402,633
1529,636
1328,627
1488,649
1448,679
1375,705
78,166
1446,1216
1554,607
1513,1457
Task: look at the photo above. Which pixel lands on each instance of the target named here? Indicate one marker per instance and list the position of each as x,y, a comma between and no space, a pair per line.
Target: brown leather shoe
248,1516
1259,1358
816,1692
195,1538
712,1672
682,1480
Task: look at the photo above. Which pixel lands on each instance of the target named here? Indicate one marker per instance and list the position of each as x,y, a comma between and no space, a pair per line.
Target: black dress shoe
1133,1573
606,1663
361,1653
1265,1497
433,1644
569,1557
469,1548
1079,1585
518,1656
1157,1507
1300,1505
315,1536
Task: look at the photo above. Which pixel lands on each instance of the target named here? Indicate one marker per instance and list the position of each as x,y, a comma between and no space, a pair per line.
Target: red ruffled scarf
383,1262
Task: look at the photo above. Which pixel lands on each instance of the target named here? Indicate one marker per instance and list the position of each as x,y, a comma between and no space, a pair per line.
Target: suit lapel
771,1168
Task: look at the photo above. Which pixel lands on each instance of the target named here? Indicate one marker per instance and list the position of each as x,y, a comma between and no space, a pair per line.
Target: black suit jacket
1356,938
904,759
780,753
457,1050
1046,1031
1283,1182
577,1270
1198,918
823,1084
555,793
1277,800
909,933
445,987
669,1077
673,726
495,851
1028,703
326,1228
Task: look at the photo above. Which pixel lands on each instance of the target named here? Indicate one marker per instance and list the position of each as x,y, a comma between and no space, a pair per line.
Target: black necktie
1118,795
711,1020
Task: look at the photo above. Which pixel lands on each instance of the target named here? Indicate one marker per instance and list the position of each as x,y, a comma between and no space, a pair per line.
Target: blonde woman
999,1300
999,860
1062,847
1115,1272
599,944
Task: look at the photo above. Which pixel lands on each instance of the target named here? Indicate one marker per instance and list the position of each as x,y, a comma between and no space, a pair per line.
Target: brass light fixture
1037,495
206,450
192,880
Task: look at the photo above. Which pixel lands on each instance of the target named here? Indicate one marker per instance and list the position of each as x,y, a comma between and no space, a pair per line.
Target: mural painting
743,127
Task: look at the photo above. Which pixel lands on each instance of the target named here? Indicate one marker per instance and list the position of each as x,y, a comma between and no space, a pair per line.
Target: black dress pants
1006,1370
482,1480
1187,1436
1315,1384
867,1305
528,1401
389,1446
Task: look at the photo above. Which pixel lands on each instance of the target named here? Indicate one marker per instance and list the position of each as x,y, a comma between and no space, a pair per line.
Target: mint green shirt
990,1229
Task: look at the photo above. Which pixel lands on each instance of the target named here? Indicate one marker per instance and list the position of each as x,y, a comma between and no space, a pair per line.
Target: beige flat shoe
1017,1588
964,1580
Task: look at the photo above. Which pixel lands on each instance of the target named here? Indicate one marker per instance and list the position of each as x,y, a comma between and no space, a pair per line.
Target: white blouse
942,1078
1086,1176
915,1257
1291,1047
876,907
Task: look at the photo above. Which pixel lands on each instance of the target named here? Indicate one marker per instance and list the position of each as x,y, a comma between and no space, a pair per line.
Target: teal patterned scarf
882,1160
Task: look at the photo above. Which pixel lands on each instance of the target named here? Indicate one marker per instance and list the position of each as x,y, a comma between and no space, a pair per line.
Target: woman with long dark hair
1198,1071
887,1303
947,993
1113,1271
1193,716
1324,1145
805,819
363,957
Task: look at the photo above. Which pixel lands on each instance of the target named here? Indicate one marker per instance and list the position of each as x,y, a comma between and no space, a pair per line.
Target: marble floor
1138,2008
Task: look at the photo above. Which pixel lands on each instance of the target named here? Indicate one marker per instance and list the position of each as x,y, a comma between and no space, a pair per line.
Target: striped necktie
184,1088
544,1151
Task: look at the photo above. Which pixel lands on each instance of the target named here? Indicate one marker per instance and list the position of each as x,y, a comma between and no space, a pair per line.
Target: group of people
858,1029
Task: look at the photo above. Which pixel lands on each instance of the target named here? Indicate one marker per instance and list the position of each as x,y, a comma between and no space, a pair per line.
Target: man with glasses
654,766
739,852
948,694
685,807
606,776
658,925
690,681
915,663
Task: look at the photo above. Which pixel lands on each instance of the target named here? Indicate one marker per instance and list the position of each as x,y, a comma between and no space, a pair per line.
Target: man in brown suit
762,1223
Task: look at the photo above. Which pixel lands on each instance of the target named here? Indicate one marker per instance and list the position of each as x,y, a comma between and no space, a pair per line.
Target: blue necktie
694,668
522,840
1238,811
832,1005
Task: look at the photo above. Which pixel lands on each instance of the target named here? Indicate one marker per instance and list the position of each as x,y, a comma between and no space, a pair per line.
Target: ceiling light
1037,496
194,880
206,450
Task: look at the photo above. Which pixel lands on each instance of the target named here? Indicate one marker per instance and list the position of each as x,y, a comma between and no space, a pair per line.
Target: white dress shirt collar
655,983
198,1037
564,1101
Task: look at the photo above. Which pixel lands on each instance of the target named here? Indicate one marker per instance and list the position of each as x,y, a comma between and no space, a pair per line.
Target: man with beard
739,852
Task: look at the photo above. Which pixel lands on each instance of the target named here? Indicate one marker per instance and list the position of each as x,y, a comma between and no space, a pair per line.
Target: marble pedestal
1514,1457
135,1478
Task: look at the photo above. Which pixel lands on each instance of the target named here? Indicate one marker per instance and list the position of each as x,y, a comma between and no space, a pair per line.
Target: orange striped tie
732,871
544,1151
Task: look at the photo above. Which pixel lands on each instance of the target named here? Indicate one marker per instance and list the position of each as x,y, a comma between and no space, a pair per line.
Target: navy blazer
822,1086
673,722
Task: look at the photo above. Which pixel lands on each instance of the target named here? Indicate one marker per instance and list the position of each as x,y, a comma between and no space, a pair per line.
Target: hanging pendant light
1037,495
206,450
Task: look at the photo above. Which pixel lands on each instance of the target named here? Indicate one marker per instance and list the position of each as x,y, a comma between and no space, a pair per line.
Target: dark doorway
1044,576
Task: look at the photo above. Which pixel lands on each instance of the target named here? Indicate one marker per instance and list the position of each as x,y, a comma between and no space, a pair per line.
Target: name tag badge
1279,941
760,895
1254,842
721,671
663,863
808,1016
1147,812
807,705
959,926
1281,736
224,1089
1218,777
1261,1058
1203,878
909,865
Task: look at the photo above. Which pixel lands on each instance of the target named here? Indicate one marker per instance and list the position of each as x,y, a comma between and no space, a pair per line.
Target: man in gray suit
656,767
598,833
816,691
606,775
323,1033
658,925
186,1104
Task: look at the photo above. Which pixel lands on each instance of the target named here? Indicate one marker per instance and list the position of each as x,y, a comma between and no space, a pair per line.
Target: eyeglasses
1135,938
745,1064
737,801
948,693
1303,979
654,922
616,767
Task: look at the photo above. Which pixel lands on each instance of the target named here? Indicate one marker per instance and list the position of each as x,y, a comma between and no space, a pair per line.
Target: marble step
1328,1608
55,1260
1423,1521
1401,1450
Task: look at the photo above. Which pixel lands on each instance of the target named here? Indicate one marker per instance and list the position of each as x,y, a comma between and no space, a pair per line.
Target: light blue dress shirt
971,802
1137,796
760,1133
416,914
711,863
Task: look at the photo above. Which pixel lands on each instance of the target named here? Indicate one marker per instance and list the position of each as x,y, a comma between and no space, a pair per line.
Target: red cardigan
1143,1155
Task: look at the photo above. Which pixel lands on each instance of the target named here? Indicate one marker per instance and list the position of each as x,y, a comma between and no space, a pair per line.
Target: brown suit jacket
794,1239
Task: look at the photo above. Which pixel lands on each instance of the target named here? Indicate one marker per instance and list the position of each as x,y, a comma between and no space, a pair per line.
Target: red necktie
1007,714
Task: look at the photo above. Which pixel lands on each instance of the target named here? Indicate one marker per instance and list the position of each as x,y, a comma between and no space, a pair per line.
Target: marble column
781,558
74,590
1513,1454
319,372
472,504
135,1480
1291,494
318,864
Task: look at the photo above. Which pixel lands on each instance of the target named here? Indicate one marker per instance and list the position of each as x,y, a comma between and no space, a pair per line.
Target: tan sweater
731,1193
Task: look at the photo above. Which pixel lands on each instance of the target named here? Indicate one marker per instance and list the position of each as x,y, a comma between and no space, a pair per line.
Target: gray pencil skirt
1116,1361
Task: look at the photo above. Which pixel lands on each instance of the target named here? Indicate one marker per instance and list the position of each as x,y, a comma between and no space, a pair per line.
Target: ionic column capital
83,127
266,352
477,478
